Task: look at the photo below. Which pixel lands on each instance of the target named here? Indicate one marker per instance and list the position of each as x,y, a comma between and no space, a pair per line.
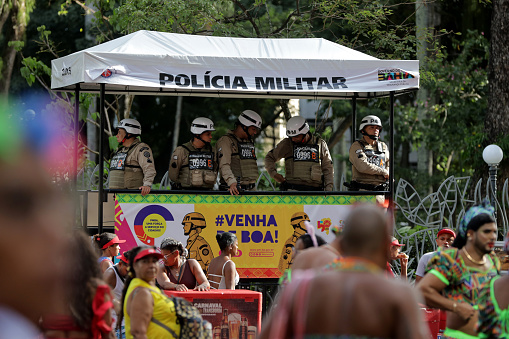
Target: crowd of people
66,284
351,289
195,165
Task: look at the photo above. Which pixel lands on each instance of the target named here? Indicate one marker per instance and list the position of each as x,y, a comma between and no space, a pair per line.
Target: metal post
74,188
391,153
101,161
493,183
354,117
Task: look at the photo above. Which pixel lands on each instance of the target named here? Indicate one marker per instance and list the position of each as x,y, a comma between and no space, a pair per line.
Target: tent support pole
77,214
101,162
391,154
354,116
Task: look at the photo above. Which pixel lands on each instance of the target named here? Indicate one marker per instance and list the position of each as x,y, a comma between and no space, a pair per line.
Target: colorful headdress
483,208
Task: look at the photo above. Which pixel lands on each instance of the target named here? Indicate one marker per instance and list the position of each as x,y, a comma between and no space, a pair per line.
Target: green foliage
33,68
456,120
113,143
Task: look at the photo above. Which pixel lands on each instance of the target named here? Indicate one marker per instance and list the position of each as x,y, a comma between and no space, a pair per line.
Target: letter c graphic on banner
150,223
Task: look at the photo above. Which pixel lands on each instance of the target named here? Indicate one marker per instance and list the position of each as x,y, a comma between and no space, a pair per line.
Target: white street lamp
493,155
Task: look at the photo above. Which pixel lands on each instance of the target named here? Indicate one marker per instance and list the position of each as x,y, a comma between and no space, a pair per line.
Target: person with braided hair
455,275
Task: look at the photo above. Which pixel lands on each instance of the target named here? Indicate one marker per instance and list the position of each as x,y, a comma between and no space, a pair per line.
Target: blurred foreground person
494,306
85,309
353,299
455,275
31,244
148,312
222,272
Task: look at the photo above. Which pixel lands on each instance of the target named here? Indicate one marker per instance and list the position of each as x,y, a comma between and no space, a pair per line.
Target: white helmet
201,125
296,125
131,126
250,118
369,120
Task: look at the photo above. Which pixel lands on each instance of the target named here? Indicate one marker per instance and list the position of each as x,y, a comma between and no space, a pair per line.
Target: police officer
193,165
132,166
308,163
237,156
197,246
370,159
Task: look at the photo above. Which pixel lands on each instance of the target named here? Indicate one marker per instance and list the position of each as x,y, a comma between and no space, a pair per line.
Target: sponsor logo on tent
107,73
393,74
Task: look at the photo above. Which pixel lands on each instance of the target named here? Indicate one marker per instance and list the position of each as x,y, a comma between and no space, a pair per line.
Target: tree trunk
19,24
496,122
496,126
426,17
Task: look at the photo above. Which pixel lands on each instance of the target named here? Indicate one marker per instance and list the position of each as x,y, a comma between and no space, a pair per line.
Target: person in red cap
444,239
108,244
115,276
396,255
147,311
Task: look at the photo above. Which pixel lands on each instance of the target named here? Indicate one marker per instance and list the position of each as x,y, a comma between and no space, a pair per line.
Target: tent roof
156,63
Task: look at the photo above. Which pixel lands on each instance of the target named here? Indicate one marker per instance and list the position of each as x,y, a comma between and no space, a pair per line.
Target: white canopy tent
148,62
156,63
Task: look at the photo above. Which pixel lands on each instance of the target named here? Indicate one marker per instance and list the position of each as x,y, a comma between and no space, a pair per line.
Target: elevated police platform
267,223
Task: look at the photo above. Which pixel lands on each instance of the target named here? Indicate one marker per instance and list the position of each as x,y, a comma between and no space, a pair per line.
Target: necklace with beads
477,262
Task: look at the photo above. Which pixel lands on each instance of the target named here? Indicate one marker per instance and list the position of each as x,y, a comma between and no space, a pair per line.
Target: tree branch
249,17
284,24
338,134
90,10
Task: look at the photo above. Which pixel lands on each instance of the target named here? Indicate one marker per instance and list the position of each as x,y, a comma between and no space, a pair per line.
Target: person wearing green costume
494,306
455,275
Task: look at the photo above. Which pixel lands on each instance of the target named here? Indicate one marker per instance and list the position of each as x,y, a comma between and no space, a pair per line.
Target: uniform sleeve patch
149,161
175,157
358,151
220,148
143,148
174,165
146,154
